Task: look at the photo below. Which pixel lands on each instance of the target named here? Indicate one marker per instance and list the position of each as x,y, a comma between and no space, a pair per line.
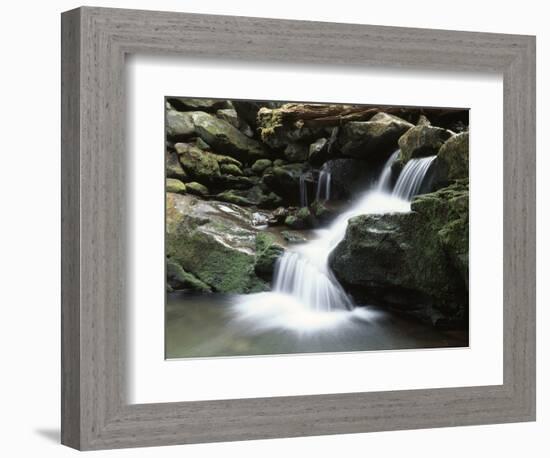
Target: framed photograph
279,228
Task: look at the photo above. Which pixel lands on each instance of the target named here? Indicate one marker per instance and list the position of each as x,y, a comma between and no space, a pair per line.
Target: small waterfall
306,295
411,177
323,184
303,191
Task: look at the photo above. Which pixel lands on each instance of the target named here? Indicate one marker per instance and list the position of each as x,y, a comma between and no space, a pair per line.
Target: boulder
201,165
229,115
173,185
318,151
174,168
178,279
260,165
452,162
227,160
296,152
374,140
420,141
285,181
188,104
214,242
415,261
302,219
293,237
268,251
179,126
231,169
197,189
222,136
348,176
255,196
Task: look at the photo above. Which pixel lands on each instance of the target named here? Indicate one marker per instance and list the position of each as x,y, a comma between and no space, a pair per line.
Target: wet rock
268,251
373,140
179,279
200,164
421,141
302,219
350,176
260,165
179,126
174,168
222,136
452,160
279,215
285,181
197,189
318,151
213,241
173,185
293,237
296,152
255,196
415,261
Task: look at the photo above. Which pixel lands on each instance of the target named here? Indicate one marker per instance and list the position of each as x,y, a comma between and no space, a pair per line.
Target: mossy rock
255,196
214,242
420,257
260,165
227,160
179,125
302,219
230,169
374,140
296,152
421,141
173,185
178,279
268,251
174,168
190,104
197,189
222,136
200,164
452,161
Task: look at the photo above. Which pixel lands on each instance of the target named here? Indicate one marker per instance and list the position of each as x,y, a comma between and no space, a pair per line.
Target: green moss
197,189
173,185
231,169
200,164
267,253
260,165
177,278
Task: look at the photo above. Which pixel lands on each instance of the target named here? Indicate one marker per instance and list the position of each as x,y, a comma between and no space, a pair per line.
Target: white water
323,184
306,294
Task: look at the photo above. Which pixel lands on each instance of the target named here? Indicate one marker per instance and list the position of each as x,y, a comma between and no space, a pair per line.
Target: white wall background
29,229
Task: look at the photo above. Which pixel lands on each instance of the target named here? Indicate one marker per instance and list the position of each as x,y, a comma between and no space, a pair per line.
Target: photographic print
299,227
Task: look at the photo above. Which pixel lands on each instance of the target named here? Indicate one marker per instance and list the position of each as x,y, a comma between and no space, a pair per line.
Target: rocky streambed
247,181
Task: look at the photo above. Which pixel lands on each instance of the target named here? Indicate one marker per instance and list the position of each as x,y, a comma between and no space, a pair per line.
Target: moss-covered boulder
179,125
374,140
255,196
302,219
268,251
452,160
201,165
285,180
420,141
174,185
227,160
224,137
416,261
318,151
214,242
197,189
179,279
260,165
174,168
231,169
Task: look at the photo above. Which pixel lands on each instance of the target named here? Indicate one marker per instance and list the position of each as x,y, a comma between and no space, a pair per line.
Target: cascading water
411,178
306,295
303,191
323,184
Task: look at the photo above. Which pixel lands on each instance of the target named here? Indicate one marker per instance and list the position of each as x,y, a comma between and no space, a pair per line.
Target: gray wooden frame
95,413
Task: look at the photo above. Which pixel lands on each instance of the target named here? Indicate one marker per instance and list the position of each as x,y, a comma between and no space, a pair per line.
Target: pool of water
200,326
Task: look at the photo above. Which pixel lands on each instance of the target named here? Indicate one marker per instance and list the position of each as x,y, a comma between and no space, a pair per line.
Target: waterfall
306,295
303,191
412,176
323,184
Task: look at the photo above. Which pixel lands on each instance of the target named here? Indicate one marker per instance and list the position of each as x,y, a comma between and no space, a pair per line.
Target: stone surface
421,141
296,152
452,162
197,189
268,251
179,125
374,140
179,279
174,168
215,242
173,185
199,164
260,165
223,137
190,104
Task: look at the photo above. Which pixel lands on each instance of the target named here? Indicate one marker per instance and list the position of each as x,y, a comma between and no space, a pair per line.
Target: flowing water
306,297
323,184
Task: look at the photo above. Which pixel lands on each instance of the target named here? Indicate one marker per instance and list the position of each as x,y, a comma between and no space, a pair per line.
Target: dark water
208,325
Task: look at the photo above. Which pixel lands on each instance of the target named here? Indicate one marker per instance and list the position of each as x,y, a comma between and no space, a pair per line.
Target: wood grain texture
96,414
